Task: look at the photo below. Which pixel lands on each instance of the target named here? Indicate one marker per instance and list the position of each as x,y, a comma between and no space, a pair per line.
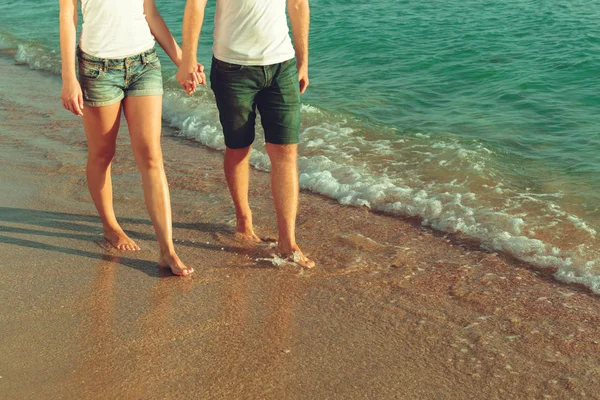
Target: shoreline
535,224
392,310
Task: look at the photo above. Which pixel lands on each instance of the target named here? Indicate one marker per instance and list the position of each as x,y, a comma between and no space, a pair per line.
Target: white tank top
252,32
114,28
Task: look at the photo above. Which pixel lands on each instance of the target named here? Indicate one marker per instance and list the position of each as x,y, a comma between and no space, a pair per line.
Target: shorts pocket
89,71
288,72
153,61
227,67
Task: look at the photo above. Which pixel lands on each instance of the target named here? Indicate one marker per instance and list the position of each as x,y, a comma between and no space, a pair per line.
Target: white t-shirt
252,32
114,28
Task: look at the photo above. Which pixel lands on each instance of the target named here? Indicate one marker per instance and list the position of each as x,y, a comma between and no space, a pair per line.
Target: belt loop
144,58
105,65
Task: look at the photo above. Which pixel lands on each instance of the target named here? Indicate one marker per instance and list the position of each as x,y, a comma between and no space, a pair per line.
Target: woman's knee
101,156
148,157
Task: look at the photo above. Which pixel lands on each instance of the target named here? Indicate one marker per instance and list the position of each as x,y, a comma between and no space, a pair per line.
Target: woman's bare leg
143,115
101,125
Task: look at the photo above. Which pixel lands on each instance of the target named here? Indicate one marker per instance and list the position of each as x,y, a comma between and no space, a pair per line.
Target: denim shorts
272,89
106,81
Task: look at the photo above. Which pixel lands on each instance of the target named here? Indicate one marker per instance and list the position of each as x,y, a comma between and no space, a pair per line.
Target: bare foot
120,241
244,230
247,237
176,265
296,256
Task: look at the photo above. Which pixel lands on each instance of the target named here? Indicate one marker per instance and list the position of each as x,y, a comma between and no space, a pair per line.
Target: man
253,68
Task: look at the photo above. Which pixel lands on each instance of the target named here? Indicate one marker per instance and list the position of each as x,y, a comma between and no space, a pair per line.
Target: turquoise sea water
480,117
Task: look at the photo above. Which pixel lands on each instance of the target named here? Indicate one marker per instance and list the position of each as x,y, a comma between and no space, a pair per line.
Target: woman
119,69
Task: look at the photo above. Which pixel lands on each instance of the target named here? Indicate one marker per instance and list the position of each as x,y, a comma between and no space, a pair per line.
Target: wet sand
392,310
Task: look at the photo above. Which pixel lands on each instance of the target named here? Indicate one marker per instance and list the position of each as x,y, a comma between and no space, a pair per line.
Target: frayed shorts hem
103,103
145,92
134,93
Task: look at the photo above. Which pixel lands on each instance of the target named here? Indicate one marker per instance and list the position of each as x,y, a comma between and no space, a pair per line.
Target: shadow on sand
86,227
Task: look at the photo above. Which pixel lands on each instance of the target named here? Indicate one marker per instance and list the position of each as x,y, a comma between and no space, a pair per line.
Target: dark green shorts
272,89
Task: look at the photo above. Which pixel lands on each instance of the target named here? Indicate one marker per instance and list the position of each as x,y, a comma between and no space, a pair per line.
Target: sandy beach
392,311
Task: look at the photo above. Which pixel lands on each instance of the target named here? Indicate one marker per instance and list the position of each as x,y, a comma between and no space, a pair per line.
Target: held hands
189,77
72,98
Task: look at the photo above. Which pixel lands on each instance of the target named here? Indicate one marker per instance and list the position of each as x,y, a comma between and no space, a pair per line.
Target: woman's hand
72,97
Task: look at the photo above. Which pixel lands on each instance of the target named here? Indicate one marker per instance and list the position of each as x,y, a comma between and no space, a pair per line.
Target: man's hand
200,73
299,13
189,77
302,77
72,97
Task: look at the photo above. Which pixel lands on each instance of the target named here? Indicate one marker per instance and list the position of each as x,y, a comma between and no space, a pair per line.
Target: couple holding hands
255,66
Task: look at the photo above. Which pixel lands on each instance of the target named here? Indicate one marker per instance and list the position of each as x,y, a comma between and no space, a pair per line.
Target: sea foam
340,160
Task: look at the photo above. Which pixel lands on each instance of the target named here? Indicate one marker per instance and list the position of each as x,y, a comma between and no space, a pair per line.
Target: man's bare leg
285,188
143,115
237,174
101,125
